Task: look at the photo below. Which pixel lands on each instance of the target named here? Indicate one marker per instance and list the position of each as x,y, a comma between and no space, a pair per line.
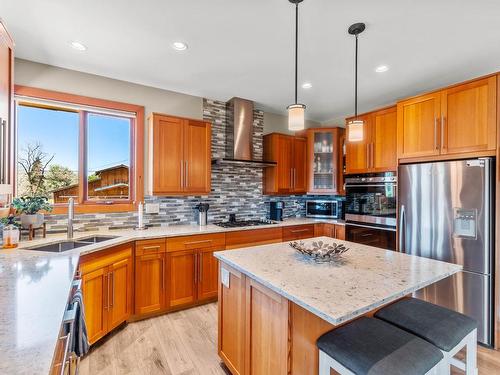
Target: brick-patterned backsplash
235,189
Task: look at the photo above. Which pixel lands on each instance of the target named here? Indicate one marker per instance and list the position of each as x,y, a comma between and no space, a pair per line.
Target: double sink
65,245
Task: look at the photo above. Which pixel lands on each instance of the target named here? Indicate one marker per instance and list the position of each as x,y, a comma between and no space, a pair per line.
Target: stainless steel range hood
239,135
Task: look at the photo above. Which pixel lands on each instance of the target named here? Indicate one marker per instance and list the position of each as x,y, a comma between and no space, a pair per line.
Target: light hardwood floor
185,343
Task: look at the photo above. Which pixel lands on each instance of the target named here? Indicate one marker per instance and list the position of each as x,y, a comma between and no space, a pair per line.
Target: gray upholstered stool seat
440,326
448,330
371,346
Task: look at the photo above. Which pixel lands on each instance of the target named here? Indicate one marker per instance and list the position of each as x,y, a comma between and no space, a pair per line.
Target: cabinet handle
299,230
112,281
186,173
147,248
197,242
291,178
436,146
106,282
200,259
368,155
182,173
163,274
443,119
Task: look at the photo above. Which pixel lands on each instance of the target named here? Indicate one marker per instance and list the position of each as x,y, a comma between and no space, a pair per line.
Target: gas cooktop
244,223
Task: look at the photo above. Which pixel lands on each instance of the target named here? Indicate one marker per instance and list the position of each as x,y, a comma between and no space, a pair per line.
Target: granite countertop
35,286
368,278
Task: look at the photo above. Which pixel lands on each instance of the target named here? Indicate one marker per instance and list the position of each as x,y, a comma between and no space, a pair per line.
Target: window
75,148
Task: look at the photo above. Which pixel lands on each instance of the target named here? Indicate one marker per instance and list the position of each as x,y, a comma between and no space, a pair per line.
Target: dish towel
79,342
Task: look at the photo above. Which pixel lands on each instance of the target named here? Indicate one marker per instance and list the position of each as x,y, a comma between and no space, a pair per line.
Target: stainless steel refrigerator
446,212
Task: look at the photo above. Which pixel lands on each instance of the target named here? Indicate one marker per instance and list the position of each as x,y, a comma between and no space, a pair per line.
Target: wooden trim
496,288
448,157
136,173
382,110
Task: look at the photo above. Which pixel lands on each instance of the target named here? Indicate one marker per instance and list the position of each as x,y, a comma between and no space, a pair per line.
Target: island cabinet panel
253,237
266,331
150,276
179,155
298,232
468,117
306,329
231,321
107,288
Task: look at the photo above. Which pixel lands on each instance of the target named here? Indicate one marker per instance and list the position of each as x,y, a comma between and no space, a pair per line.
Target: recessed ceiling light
307,85
179,46
78,46
381,68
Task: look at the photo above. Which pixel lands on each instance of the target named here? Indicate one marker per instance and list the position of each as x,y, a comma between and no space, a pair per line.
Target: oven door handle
349,224
371,185
402,229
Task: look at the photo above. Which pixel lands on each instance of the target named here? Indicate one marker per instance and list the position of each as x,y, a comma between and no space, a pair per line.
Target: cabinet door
95,301
384,144
418,131
468,121
149,283
285,163
208,269
197,157
299,175
340,232
120,292
358,152
167,154
182,270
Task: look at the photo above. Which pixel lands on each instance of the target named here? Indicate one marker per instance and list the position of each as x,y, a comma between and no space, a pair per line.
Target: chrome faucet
71,216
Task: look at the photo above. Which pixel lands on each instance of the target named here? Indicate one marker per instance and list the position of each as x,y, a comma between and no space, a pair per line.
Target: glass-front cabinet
325,161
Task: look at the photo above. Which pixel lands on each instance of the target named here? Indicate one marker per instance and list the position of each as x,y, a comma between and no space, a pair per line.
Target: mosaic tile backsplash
235,189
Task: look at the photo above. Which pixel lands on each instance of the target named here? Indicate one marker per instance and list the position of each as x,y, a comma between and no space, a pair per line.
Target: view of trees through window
48,148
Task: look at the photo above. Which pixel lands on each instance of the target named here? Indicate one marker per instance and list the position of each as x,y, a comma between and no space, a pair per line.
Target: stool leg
471,354
445,367
324,366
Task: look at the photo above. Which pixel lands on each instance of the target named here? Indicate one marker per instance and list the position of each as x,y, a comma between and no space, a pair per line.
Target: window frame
136,182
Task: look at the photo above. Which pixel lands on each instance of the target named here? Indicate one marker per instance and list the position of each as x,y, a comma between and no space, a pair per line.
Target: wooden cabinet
455,121
179,155
324,161
107,287
231,321
376,152
253,237
298,232
6,110
340,232
289,176
331,230
192,269
150,276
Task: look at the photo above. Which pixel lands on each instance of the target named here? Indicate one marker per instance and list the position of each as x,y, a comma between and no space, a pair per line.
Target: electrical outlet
152,208
224,277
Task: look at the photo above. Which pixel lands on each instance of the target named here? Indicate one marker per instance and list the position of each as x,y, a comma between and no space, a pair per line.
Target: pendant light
355,128
296,120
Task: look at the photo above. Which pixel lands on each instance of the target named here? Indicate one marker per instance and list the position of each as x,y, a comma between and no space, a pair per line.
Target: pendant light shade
296,118
296,111
355,127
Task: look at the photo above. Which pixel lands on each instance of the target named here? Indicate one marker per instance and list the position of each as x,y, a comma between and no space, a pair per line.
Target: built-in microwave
324,209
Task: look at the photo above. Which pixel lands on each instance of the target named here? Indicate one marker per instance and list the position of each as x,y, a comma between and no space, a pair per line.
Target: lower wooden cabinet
208,275
107,287
253,237
330,230
182,282
298,232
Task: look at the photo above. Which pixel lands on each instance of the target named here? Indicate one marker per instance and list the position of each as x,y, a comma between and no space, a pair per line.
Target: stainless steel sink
96,239
60,246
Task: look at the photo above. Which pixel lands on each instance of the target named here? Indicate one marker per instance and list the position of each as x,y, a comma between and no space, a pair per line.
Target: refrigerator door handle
401,228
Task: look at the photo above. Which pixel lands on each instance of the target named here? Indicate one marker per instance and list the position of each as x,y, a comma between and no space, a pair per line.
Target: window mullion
82,158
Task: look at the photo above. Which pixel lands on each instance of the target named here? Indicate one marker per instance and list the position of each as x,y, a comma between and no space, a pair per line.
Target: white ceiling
245,47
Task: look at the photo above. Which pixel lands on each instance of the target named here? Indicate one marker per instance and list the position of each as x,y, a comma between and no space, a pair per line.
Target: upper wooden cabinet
325,161
289,176
453,121
179,156
376,152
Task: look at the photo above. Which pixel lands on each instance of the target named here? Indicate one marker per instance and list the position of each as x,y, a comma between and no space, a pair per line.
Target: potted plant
29,207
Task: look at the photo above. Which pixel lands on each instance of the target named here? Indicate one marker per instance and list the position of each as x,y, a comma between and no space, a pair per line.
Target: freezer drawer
468,293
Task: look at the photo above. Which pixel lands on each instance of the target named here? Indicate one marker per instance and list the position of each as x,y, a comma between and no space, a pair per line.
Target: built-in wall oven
370,210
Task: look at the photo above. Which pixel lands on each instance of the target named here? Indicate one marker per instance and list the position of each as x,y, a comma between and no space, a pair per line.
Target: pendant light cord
296,46
356,81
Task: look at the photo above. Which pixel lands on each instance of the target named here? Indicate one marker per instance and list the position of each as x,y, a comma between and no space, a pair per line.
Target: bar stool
448,330
371,346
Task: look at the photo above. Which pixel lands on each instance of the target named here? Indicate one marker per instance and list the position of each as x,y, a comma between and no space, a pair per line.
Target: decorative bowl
320,251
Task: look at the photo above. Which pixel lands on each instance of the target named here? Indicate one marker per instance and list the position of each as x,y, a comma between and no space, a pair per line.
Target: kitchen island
274,303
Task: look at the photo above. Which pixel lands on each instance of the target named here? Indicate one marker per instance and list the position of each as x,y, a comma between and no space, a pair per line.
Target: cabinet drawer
150,247
298,232
253,237
201,241
97,260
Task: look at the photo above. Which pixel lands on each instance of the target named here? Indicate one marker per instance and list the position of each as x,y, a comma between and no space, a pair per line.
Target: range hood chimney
239,134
